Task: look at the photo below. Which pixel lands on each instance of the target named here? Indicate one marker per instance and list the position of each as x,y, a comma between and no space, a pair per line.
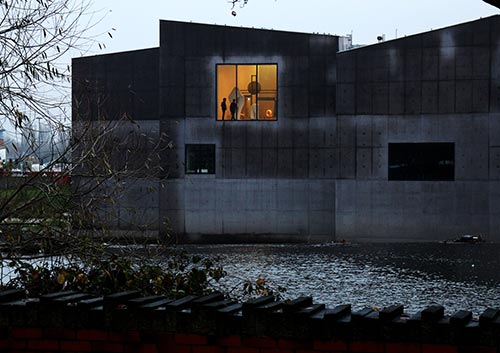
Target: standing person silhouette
233,108
223,107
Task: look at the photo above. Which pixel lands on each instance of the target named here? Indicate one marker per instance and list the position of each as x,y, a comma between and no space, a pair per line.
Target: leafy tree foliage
52,203
35,38
50,235
176,276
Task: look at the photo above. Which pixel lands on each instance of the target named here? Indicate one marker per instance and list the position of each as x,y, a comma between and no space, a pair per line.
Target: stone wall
126,322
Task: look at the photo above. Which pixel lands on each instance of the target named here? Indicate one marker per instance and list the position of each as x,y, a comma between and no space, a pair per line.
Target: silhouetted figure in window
233,108
223,106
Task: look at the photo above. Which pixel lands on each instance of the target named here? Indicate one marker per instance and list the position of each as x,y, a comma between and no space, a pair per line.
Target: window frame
199,147
256,65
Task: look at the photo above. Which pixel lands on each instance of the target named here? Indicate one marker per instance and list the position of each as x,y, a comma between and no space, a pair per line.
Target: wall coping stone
216,315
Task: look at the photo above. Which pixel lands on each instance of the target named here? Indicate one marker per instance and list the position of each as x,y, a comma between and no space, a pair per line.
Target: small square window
200,159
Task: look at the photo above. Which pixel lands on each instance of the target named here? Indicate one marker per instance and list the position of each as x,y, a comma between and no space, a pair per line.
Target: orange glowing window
247,92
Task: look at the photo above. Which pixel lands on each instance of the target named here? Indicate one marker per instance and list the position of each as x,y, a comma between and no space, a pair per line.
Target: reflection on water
460,277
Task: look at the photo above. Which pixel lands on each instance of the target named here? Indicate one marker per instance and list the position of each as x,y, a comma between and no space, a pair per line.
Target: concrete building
398,141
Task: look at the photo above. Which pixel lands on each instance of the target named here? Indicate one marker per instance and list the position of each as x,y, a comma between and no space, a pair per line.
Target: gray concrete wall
412,211
434,87
320,172
235,210
115,112
452,70
439,86
107,87
274,180
118,184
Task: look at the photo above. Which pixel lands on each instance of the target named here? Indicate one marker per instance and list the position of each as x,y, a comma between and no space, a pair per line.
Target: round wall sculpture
254,87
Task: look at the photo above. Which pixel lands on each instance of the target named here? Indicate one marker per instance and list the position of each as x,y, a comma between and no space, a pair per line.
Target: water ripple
415,275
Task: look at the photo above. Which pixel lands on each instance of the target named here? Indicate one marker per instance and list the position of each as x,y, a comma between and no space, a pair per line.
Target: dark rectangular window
200,159
421,161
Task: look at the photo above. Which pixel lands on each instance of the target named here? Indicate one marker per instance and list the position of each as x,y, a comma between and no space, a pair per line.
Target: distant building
397,141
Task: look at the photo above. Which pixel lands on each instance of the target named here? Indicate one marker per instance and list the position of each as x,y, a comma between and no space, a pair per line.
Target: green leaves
180,275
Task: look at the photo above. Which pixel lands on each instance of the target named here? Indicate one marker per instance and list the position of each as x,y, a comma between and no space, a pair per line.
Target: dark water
457,276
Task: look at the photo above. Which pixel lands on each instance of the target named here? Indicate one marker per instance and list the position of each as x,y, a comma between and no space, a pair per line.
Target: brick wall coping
215,315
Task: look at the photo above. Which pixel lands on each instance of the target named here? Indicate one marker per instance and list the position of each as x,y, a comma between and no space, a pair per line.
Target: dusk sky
136,22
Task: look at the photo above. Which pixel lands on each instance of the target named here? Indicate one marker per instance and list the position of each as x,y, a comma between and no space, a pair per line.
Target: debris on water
466,239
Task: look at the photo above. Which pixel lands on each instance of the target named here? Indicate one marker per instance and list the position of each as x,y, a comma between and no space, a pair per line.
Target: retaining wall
126,322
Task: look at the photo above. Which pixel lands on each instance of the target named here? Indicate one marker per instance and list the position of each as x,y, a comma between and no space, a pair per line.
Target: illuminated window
247,92
421,161
200,159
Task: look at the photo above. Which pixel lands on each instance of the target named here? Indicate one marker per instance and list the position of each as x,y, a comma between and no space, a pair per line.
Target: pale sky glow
137,22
